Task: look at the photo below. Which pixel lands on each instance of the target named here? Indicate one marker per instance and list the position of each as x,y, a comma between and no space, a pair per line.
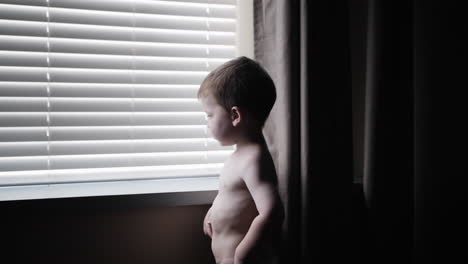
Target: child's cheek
212,127
217,130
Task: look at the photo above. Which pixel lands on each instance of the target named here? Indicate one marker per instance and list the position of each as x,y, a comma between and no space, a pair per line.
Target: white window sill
169,192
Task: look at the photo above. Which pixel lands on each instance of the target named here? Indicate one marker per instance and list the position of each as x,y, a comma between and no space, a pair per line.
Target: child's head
239,87
241,82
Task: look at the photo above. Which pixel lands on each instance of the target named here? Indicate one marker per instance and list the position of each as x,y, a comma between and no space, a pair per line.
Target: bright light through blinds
94,91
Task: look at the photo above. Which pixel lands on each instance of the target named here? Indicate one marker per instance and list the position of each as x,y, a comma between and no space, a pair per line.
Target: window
99,97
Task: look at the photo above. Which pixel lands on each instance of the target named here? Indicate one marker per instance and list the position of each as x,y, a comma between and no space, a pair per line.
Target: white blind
106,90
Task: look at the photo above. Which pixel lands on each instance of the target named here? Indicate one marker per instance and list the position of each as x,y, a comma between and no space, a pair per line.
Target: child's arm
270,209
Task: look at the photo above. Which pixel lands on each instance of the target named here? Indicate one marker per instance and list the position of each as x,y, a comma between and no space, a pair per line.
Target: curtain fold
276,38
305,47
388,153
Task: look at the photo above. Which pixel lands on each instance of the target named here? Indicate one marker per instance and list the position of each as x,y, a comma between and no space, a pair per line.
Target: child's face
219,121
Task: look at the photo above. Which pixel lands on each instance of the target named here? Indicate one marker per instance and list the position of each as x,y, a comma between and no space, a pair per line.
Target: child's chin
225,144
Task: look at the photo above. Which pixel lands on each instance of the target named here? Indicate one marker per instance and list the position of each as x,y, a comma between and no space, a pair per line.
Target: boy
245,219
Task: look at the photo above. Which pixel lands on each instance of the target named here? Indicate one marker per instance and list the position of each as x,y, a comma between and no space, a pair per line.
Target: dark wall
120,229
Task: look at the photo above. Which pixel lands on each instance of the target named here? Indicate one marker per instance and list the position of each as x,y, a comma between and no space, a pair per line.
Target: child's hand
207,228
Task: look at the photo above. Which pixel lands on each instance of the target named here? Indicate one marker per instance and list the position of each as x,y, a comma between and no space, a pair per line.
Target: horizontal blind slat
25,13
24,134
112,18
93,17
38,89
25,2
67,60
77,46
23,28
152,7
39,74
11,149
59,30
23,119
101,118
111,160
35,104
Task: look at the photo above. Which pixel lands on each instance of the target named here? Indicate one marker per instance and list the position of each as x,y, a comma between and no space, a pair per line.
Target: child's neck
251,138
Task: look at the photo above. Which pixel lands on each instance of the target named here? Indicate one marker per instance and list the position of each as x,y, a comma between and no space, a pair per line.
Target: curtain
414,199
440,188
305,47
416,57
388,152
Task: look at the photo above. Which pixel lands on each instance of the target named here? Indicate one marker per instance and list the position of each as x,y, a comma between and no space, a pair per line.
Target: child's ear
236,115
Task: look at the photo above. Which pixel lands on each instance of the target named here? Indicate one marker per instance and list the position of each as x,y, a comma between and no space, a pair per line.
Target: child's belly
231,217
232,212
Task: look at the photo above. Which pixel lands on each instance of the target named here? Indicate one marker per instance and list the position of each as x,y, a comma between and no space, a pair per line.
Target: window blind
94,91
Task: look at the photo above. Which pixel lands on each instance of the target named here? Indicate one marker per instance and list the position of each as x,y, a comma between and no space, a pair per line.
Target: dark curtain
388,152
440,184
411,207
415,55
305,46
386,117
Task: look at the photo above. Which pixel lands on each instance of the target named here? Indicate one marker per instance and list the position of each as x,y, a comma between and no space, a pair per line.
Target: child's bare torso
233,211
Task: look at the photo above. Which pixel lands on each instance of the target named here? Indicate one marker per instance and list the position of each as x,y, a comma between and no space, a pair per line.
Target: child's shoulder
251,153
253,157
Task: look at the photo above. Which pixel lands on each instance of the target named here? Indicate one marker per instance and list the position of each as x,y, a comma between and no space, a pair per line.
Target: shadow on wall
102,230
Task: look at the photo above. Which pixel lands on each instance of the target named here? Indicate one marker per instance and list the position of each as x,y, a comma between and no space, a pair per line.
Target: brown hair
244,83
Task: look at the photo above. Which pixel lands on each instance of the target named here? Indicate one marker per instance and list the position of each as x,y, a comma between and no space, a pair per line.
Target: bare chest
230,179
